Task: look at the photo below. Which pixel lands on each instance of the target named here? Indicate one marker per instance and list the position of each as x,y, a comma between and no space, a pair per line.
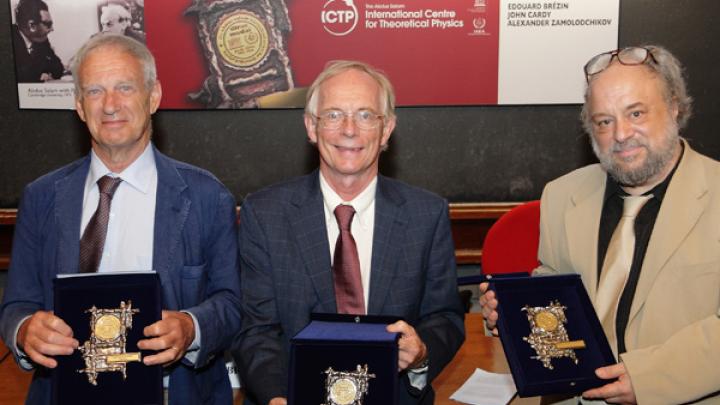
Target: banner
265,53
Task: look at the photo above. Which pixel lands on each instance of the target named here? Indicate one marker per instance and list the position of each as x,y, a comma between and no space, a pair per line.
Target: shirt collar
658,192
135,175
28,43
361,203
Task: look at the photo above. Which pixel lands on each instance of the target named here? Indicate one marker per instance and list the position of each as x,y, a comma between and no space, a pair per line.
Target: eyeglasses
626,56
363,119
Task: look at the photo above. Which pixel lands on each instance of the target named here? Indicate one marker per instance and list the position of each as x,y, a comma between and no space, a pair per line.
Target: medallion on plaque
346,387
105,351
245,46
548,335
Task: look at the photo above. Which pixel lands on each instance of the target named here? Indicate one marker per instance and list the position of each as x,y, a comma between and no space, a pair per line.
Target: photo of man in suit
164,215
35,59
393,254
642,227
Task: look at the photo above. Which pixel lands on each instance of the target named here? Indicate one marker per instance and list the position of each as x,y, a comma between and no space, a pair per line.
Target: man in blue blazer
165,215
288,234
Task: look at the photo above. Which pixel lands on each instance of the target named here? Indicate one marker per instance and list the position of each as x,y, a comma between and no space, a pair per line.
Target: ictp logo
339,17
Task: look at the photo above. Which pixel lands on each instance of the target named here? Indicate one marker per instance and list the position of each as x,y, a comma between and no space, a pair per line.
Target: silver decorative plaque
346,387
548,335
105,351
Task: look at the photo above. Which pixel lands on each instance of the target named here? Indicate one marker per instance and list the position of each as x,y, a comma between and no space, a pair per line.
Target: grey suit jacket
673,331
286,275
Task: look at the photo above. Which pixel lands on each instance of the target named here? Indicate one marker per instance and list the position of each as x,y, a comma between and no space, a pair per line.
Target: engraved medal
346,387
105,350
548,335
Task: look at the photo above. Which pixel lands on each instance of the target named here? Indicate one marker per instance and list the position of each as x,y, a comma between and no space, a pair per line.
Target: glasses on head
363,119
626,56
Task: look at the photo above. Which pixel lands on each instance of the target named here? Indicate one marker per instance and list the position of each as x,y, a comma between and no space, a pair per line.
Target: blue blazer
194,254
286,275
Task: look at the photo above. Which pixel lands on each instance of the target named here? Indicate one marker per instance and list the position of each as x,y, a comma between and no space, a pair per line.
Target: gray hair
334,68
671,72
121,43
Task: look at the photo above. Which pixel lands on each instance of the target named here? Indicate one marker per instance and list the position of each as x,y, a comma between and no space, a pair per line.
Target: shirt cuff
23,359
193,350
418,377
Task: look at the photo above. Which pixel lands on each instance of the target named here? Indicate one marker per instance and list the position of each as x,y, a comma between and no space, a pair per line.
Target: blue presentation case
343,343
73,295
531,377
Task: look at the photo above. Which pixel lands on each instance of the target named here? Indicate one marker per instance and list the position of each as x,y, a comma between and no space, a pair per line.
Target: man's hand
278,401
43,335
489,304
618,392
171,336
412,349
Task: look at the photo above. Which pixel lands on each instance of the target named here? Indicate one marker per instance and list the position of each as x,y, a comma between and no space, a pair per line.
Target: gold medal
343,391
548,336
245,47
242,39
107,327
546,320
346,387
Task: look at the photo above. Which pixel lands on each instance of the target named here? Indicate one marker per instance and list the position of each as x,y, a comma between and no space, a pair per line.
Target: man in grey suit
288,234
663,320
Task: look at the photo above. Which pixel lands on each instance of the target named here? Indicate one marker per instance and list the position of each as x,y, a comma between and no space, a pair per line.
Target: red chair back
511,244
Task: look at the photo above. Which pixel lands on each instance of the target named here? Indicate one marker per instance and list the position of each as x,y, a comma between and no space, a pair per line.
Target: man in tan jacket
664,320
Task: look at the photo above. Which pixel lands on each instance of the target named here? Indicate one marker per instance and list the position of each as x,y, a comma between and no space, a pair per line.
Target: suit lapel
69,193
308,226
582,222
390,223
685,200
171,211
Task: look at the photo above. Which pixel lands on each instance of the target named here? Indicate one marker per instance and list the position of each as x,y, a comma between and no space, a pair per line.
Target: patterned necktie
93,238
346,266
616,267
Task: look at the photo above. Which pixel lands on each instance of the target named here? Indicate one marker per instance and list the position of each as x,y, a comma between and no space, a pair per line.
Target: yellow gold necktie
616,267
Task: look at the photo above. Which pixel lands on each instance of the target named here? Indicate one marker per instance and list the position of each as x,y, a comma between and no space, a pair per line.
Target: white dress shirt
362,226
129,240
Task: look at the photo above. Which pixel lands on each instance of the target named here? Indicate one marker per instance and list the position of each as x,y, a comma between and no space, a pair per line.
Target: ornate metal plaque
105,350
245,47
346,387
548,335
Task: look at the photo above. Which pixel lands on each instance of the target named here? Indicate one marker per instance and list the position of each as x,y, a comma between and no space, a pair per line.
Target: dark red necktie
93,238
346,266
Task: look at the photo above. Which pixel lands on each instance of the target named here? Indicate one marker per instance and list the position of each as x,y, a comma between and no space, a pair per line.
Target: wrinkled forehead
110,59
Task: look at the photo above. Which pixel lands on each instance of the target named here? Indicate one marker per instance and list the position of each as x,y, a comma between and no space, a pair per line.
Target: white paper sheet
484,388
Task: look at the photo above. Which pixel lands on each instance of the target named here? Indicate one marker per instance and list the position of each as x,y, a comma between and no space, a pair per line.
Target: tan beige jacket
673,332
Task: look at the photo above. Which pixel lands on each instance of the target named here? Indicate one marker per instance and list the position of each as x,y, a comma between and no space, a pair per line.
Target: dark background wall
467,154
